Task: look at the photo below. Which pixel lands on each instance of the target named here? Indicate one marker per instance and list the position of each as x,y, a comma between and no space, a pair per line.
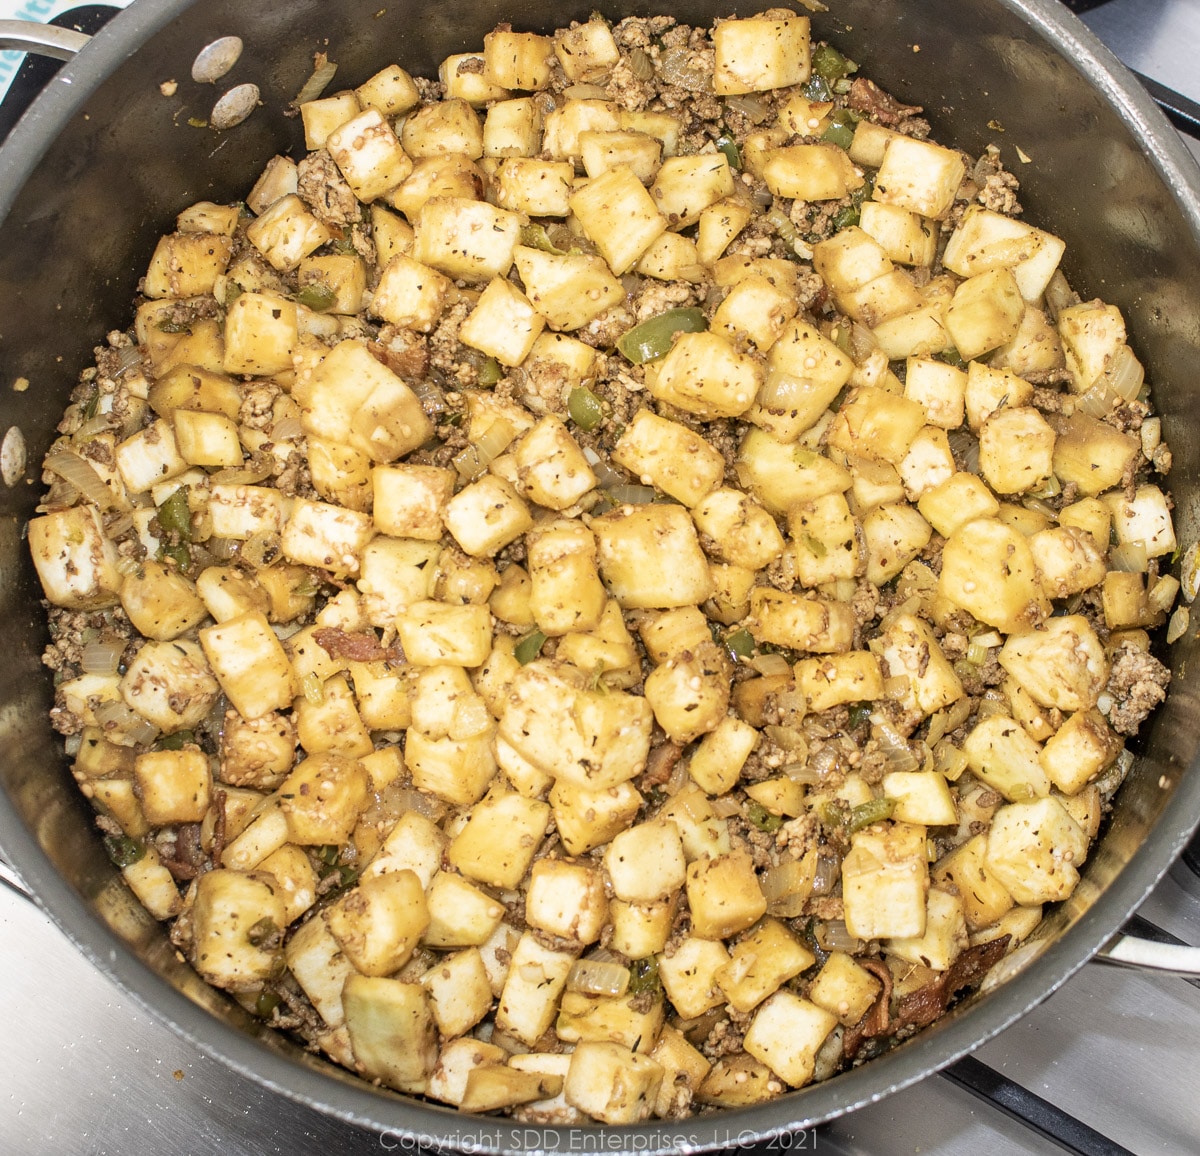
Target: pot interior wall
82,227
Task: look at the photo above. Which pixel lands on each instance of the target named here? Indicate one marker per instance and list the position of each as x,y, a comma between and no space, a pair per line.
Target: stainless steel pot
103,161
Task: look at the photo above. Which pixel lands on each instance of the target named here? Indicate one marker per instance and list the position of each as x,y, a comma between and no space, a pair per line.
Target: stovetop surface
1107,1064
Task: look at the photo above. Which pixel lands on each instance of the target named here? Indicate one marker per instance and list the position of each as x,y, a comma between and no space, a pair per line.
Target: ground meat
1128,417
357,646
258,400
602,332
403,351
995,187
640,31
655,297
445,350
1047,400
1137,684
323,188
723,1040
825,907
430,90
294,478
626,89
542,386
867,97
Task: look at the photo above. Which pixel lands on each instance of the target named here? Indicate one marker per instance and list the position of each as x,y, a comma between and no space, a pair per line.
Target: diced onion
99,424
1120,382
606,476
1129,557
119,526
827,874
751,107
598,977
896,750
640,64
287,429
675,66
255,469
322,74
1050,488
769,665
430,395
1151,435
129,358
724,806
792,705
949,760
678,780
786,738
787,885
473,462
313,688
262,549
585,92
116,716
1178,625
782,391
1190,570
413,800
1125,374
79,472
1058,295
992,702
911,606
221,549
862,342
1162,594
102,656
1038,506
631,495
834,935
807,774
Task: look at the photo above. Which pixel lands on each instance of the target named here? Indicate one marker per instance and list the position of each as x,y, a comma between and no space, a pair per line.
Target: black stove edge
1184,114
1022,1105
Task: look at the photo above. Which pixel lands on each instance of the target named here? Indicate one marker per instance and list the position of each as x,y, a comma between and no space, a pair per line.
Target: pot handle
42,39
1148,955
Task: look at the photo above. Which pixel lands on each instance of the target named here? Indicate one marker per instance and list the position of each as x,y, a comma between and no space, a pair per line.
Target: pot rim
335,1092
